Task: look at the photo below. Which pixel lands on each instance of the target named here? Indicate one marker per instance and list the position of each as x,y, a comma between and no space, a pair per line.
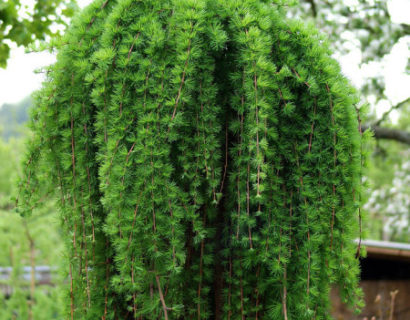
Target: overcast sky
19,79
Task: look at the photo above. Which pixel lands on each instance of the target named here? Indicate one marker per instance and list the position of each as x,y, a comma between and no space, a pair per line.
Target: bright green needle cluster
207,157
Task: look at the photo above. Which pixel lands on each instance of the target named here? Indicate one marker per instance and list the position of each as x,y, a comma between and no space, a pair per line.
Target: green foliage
207,159
35,25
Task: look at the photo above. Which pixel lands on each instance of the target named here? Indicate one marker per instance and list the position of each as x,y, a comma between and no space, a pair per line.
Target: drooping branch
186,148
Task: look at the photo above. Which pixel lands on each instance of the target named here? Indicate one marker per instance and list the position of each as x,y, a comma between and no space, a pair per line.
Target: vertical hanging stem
200,280
238,178
255,83
334,164
134,304
89,189
285,290
226,158
257,295
72,292
201,270
312,127
107,274
248,204
307,223
361,168
285,294
161,297
183,76
241,291
84,241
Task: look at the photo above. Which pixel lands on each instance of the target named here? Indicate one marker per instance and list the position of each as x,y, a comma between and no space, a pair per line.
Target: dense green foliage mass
207,158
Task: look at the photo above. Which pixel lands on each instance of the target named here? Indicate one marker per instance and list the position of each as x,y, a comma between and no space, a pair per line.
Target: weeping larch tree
206,156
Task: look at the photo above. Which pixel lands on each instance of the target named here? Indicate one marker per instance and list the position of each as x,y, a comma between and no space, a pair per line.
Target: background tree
389,195
22,25
366,25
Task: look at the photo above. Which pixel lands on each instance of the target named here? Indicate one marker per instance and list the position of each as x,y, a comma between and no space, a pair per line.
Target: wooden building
385,279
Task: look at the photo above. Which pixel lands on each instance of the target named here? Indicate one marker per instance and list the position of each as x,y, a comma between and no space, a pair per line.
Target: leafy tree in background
366,25
362,24
20,26
207,160
389,175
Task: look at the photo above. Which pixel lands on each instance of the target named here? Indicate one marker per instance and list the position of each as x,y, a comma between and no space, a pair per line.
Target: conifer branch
178,150
161,296
297,74
183,78
241,291
226,159
107,274
248,205
334,164
359,120
285,294
312,127
257,295
238,174
307,222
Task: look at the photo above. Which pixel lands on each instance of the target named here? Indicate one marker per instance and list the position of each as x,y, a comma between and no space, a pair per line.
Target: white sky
19,79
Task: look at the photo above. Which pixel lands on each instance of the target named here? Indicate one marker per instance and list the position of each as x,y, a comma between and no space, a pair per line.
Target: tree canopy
22,25
207,157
